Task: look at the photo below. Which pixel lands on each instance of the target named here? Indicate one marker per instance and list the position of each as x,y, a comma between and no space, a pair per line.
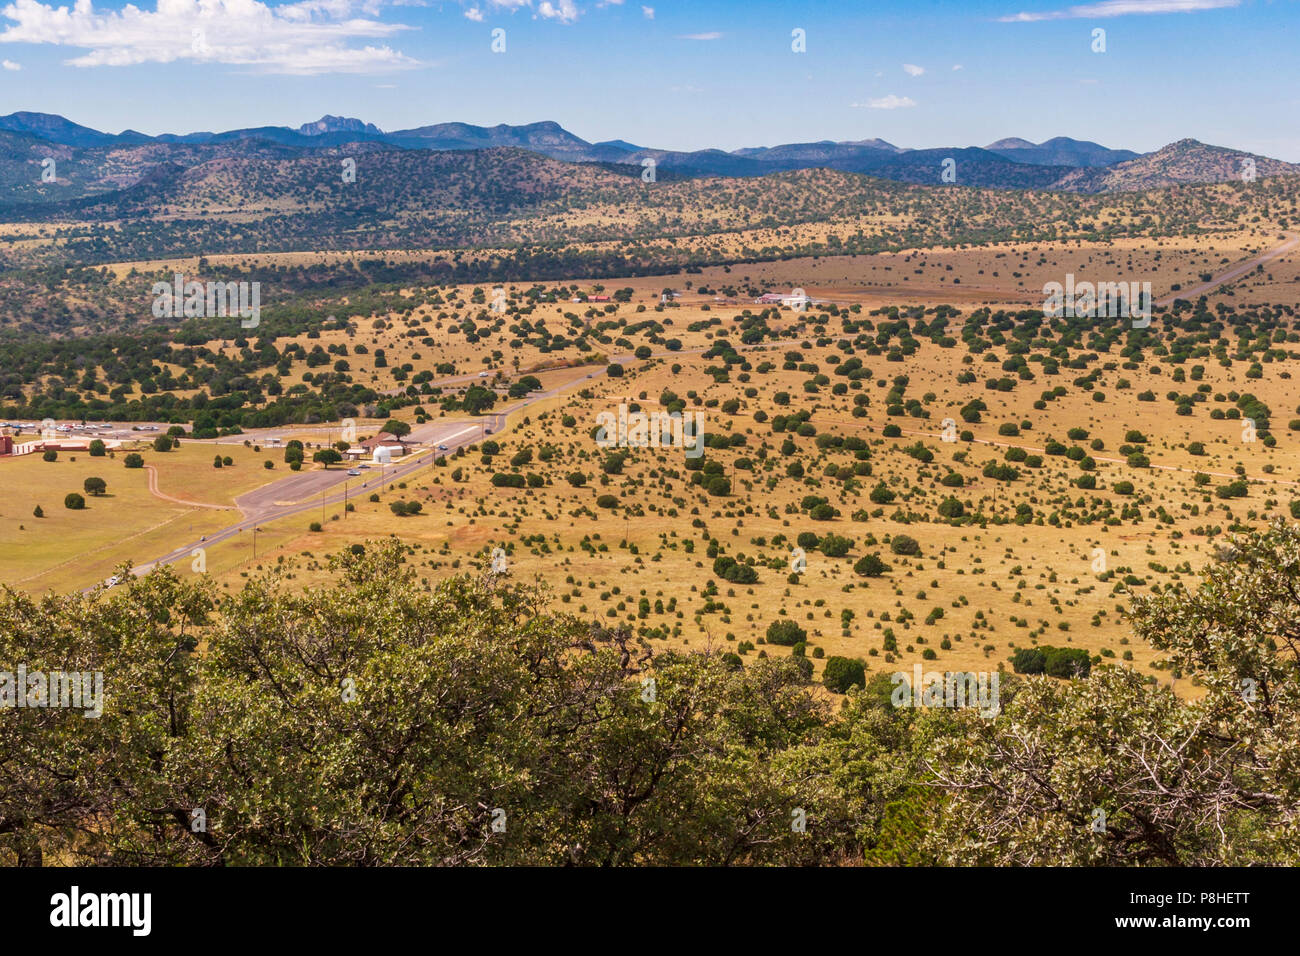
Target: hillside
1180,163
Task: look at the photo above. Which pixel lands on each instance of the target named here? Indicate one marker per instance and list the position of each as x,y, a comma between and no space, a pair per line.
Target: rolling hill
1186,161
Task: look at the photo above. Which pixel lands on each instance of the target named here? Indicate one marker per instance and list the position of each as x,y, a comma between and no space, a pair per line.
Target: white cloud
566,11
305,38
10,65
890,102
700,36
911,69
1121,8
648,12
957,66
475,14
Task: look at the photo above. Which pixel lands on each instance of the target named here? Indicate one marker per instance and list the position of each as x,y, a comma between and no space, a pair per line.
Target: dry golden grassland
997,585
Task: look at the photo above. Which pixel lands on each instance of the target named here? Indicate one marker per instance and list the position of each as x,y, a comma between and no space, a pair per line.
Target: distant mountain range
92,162
1059,151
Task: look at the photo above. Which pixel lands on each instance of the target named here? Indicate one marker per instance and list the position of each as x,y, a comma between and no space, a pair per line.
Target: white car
482,374
353,473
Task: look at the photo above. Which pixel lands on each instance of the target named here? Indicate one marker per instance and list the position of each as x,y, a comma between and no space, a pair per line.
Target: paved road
284,498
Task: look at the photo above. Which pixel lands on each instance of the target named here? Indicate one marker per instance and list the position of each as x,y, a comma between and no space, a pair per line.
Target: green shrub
1028,660
729,569
836,546
1054,661
1067,661
785,633
841,673
870,566
904,545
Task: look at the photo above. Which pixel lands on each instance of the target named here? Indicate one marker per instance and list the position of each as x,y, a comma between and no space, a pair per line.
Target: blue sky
677,75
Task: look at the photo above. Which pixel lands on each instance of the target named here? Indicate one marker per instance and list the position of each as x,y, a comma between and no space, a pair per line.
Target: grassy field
69,549
1024,571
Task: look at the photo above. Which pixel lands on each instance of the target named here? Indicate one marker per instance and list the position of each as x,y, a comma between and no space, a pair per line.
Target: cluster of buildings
13,441
383,447
797,299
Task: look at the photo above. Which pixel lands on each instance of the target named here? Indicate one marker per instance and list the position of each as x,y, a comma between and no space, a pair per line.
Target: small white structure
797,300
382,449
